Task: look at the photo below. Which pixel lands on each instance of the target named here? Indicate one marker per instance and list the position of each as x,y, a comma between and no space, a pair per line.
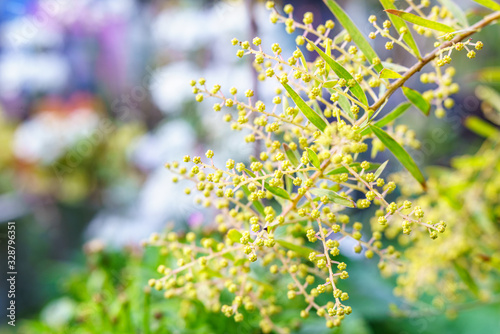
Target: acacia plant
288,210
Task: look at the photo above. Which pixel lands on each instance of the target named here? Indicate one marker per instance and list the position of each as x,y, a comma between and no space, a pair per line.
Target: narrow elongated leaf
341,72
417,99
290,154
344,104
330,84
340,37
489,74
341,170
398,24
457,12
466,277
395,67
354,32
481,127
393,115
400,153
420,21
310,114
280,192
328,51
398,111
489,95
284,103
313,158
489,4
257,205
300,250
333,196
379,171
389,74
303,59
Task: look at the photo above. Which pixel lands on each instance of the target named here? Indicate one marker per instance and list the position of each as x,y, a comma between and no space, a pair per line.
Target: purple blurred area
95,98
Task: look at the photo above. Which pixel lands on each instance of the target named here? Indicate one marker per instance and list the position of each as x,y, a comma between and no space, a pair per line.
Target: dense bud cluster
288,209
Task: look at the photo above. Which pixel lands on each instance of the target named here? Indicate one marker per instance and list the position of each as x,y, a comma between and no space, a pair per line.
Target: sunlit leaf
481,127
291,155
257,205
340,37
417,99
280,192
489,74
389,74
310,114
342,169
313,158
395,67
333,196
398,24
420,21
393,115
354,32
400,153
466,277
491,108
234,235
379,171
330,84
341,72
344,104
303,59
489,4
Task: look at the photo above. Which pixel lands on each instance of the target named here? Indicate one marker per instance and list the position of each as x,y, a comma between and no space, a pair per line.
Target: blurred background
95,98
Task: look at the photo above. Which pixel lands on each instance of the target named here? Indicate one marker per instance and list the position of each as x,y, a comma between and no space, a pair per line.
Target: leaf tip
392,11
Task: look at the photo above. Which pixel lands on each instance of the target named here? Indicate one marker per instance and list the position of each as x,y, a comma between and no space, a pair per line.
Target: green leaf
417,99
341,170
395,67
400,153
457,12
330,83
389,74
257,205
313,158
354,32
489,74
393,115
341,72
491,97
466,277
398,24
344,104
310,114
340,37
303,59
294,159
379,171
300,250
280,192
481,127
284,103
234,235
489,4
420,21
333,196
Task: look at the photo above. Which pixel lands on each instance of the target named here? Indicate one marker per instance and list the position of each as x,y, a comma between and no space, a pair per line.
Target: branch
429,57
